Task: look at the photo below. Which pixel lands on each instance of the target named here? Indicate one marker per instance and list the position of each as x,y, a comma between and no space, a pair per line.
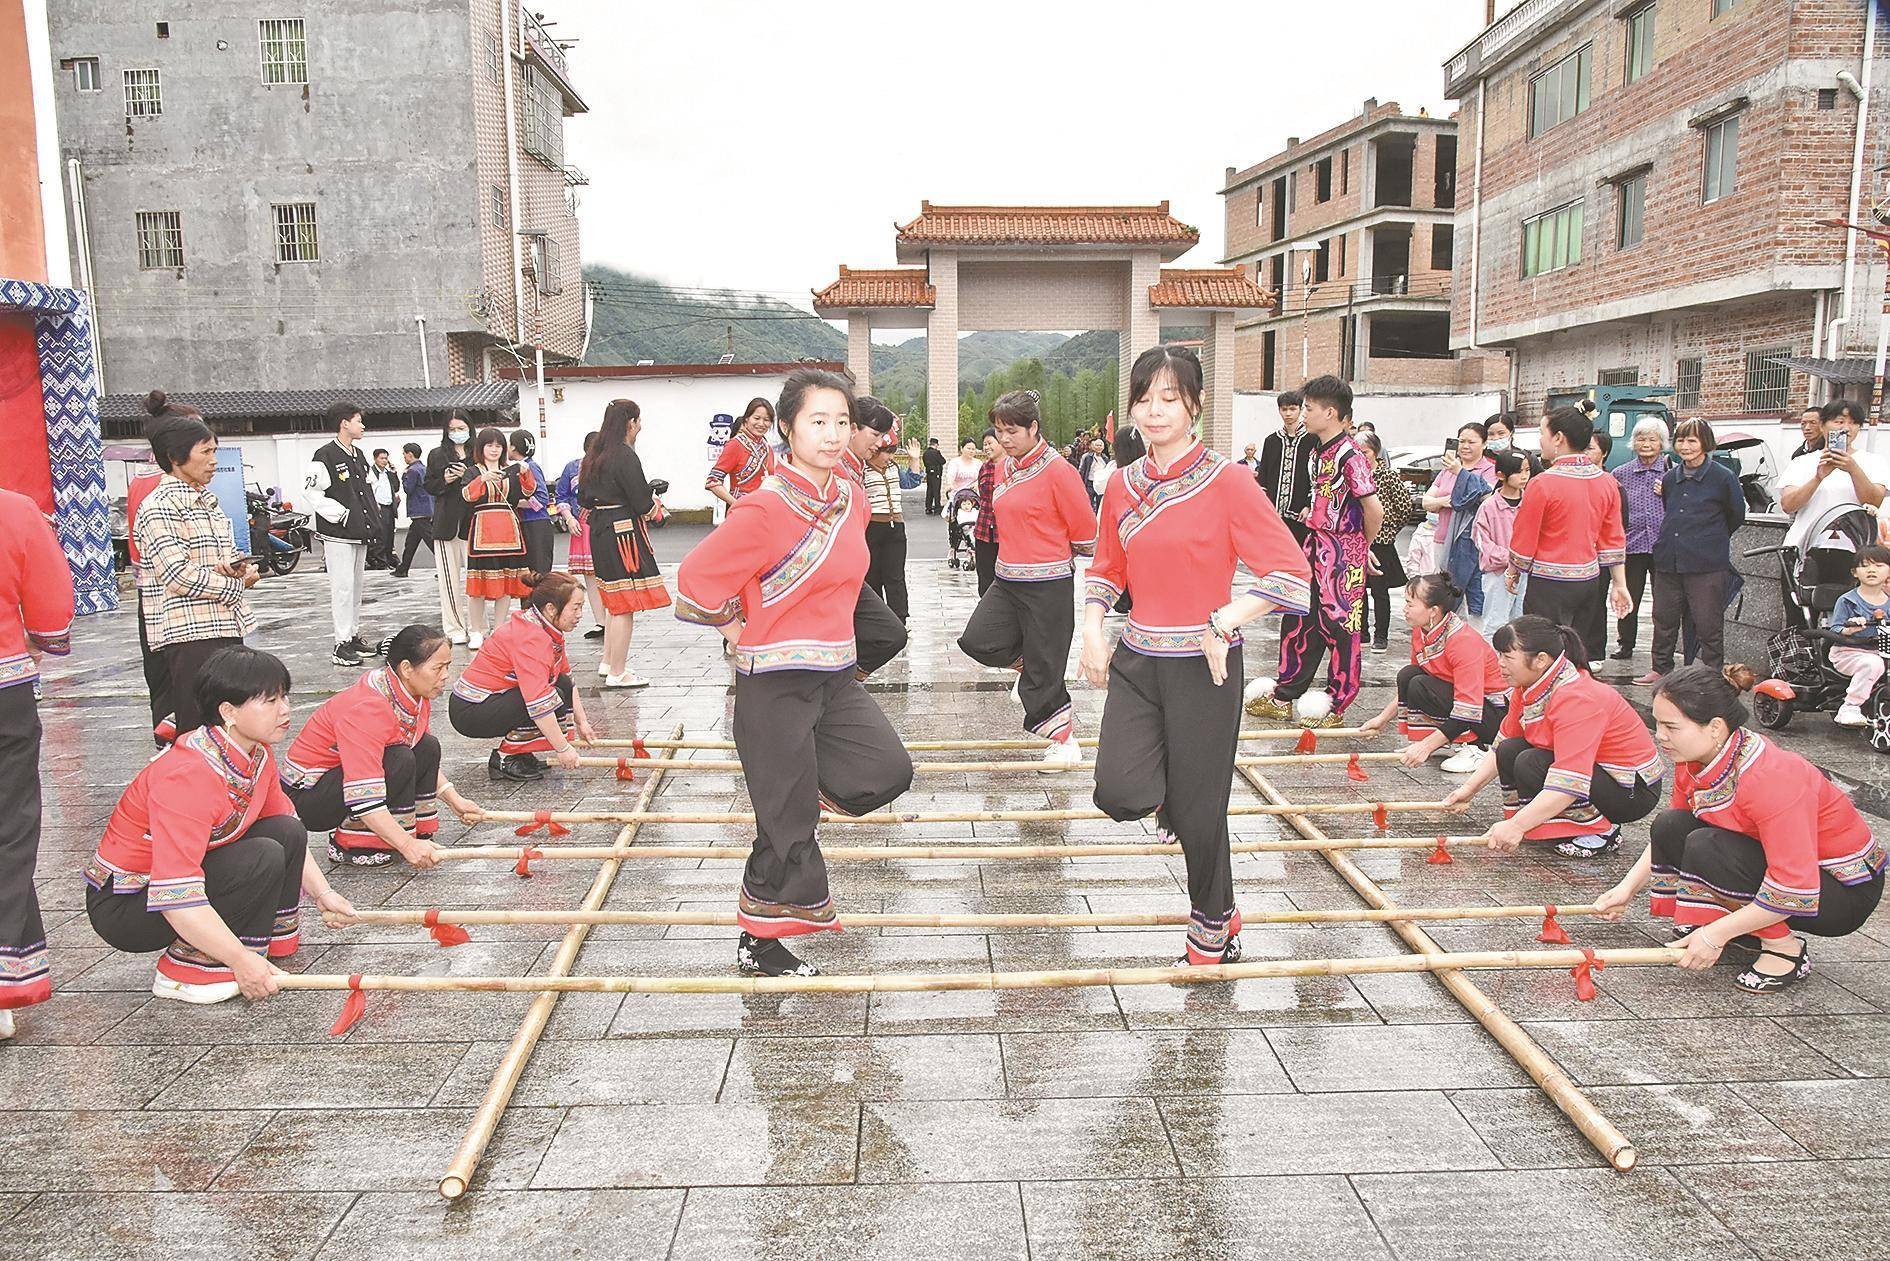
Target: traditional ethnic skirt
580,559
495,554
622,561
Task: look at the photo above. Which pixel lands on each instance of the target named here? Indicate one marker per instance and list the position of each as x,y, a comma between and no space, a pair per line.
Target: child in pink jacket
1490,532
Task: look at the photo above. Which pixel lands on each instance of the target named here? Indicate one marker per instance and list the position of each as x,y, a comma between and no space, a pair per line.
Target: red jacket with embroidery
789,559
1043,517
1586,724
1456,653
201,793
353,729
35,590
1569,525
744,461
526,653
1171,538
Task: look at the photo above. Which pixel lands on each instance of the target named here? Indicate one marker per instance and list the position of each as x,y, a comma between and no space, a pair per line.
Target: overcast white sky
757,146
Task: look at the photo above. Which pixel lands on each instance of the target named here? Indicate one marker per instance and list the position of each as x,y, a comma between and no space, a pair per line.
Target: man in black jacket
447,467
1286,464
340,487
934,460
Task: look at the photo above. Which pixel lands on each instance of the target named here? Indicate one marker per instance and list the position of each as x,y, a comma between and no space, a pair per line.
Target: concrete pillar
1141,325
941,352
860,350
1217,384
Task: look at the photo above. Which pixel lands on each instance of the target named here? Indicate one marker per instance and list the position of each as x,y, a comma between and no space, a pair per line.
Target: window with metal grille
284,50
1559,93
1768,384
1827,98
1552,241
498,206
1640,42
495,66
1686,382
1630,205
546,272
1722,154
1618,376
85,74
160,240
295,232
144,96
544,119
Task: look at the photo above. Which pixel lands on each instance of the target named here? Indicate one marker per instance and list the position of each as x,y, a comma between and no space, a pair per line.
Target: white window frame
1630,208
547,264
282,37
1638,53
1565,222
297,238
160,240
147,96
1719,174
79,66
498,211
1573,78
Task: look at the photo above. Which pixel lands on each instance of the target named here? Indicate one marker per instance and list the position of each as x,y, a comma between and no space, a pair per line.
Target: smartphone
1838,442
1450,444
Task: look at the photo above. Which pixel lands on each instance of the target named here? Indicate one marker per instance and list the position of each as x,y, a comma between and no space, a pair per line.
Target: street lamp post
1305,250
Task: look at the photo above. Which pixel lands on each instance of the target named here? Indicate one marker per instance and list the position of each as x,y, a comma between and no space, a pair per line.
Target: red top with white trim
1044,517
1455,652
1171,538
789,559
35,590
1586,724
852,465
201,793
1569,525
744,461
136,491
1803,821
353,729
526,653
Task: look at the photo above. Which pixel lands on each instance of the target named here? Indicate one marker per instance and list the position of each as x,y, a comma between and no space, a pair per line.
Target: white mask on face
1498,444
459,435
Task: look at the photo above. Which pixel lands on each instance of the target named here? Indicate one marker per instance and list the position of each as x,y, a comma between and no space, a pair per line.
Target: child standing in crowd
1496,519
1860,614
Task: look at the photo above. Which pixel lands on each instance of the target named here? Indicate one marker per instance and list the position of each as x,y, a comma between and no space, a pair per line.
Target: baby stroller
1813,576
961,514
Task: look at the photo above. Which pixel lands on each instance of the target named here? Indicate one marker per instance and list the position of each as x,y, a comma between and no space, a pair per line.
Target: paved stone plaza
1319,1117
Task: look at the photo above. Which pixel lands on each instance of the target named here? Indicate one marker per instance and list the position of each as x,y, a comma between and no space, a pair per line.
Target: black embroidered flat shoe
359,857
1610,844
763,956
1753,981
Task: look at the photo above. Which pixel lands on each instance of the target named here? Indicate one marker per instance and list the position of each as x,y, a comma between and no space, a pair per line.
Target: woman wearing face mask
448,467
1500,432
779,579
746,457
1173,527
1453,692
496,570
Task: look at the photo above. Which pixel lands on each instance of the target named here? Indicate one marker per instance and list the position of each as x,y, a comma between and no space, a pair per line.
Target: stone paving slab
955,1222
1007,1140
213,1227
1334,1133
1835,1208
1306,1218
688,1145
1670,1125
590,1225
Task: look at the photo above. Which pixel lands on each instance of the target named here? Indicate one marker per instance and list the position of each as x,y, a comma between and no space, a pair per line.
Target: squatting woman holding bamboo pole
1172,526
779,579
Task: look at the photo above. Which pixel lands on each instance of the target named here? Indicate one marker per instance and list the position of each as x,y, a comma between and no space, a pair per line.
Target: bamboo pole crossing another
717,766
945,746
882,818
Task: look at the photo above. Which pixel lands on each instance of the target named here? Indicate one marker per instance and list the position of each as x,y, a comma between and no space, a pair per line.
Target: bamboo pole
876,919
955,851
505,1080
1541,1067
891,983
709,766
944,746
881,818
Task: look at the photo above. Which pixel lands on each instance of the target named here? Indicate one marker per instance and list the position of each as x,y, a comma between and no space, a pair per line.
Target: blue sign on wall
227,486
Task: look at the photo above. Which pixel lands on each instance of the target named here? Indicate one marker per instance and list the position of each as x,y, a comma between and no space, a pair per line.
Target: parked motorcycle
276,534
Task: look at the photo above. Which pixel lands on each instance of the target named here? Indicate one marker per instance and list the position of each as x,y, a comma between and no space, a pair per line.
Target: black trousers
539,545
1523,768
886,564
25,977
502,717
254,884
1378,589
806,737
1167,748
381,546
1702,873
157,680
879,634
986,554
419,530
1029,625
412,775
1698,598
1578,605
1639,565
1427,702
184,661
933,486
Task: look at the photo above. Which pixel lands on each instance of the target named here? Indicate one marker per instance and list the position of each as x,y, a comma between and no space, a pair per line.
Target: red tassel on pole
1552,931
352,1009
1308,741
1381,817
1440,855
637,747
445,934
1584,974
525,856
625,772
1353,770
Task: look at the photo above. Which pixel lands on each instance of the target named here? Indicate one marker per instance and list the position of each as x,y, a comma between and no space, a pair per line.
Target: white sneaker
183,992
1463,761
628,678
1850,716
457,638
475,641
1064,755
1016,690
6,1024
603,669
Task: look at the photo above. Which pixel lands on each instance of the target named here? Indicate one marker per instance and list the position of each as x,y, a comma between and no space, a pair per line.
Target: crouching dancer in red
367,766
1173,525
1026,617
1453,690
779,578
1758,841
204,859
518,686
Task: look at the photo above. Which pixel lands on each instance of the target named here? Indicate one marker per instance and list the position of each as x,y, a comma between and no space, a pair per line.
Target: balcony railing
1326,294
1501,35
543,44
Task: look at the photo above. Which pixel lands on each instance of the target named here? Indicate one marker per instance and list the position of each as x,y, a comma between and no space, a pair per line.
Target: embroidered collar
1183,465
388,684
537,616
1331,444
238,769
1439,633
1033,457
850,463
803,486
1016,472
1560,671
1717,782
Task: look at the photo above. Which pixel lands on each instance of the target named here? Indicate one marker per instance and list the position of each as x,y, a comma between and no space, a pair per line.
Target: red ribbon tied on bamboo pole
1552,931
1584,974
541,819
1307,741
1440,854
445,934
638,748
525,856
1381,816
626,773
352,1008
1354,771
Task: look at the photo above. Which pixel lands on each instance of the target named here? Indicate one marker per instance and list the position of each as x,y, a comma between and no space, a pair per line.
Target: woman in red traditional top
1758,841
495,552
1576,760
1025,620
779,579
367,765
1453,690
617,498
1173,525
746,457
204,859
518,687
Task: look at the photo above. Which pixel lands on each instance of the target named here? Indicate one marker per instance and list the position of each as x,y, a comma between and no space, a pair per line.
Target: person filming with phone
1841,473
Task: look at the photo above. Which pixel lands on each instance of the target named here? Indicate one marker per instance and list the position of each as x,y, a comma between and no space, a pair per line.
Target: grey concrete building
347,193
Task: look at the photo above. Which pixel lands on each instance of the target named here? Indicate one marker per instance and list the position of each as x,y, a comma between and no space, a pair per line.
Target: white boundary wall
1402,420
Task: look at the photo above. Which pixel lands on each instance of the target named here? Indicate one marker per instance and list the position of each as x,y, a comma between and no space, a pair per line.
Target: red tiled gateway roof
893,287
1047,225
1206,287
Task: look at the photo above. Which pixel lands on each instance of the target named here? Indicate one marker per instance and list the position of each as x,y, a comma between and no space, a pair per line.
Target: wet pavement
1301,1117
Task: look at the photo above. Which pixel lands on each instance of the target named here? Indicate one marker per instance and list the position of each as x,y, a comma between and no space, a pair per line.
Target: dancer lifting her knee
1453,691
1173,526
779,579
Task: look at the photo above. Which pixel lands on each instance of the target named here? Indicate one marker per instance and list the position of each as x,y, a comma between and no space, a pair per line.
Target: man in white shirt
1818,481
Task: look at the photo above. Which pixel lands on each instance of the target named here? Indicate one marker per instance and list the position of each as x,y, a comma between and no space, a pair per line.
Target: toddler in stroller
961,514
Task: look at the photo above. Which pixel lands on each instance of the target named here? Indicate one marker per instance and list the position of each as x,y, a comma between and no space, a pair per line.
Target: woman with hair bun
1454,690
1576,761
617,497
1757,842
517,689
